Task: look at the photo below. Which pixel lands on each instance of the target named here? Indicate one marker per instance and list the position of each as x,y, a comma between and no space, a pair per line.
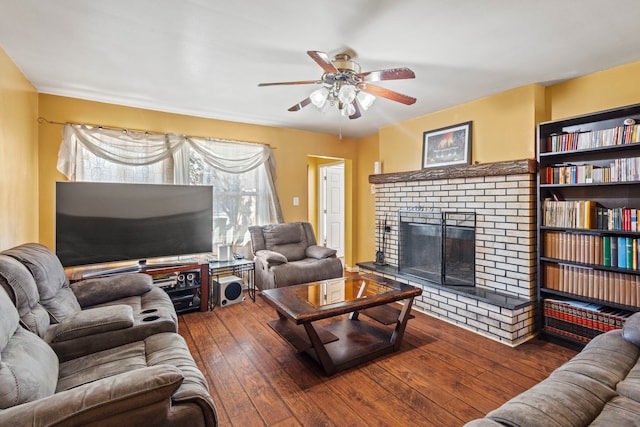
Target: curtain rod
42,120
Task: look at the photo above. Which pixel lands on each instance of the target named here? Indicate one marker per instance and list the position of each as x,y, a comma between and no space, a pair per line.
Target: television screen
100,222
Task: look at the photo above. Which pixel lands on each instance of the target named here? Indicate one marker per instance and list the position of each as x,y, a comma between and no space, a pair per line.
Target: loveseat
86,316
600,386
94,354
288,254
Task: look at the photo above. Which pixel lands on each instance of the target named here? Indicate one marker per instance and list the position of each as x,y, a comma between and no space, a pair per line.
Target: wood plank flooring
442,376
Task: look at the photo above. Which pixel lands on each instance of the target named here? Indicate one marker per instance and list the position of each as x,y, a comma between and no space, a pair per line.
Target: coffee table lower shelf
342,343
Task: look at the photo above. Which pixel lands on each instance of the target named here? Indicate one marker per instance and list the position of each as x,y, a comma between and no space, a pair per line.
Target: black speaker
227,290
188,279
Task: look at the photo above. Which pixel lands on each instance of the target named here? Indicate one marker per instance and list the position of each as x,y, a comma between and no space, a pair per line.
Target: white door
332,207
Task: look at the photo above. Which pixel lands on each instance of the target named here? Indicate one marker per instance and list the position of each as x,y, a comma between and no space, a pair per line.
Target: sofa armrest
92,321
105,398
105,289
270,258
319,252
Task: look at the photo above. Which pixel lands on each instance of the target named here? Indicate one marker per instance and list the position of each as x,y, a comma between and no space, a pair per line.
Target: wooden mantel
514,167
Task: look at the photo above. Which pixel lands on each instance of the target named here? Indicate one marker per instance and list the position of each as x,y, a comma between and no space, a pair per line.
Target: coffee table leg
319,348
398,332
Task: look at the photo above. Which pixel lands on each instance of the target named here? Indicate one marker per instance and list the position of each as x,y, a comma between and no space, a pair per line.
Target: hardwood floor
442,376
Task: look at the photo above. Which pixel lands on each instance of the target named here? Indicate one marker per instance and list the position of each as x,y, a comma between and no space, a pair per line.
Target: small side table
243,268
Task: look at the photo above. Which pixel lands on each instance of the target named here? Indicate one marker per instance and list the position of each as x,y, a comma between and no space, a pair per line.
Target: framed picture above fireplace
447,146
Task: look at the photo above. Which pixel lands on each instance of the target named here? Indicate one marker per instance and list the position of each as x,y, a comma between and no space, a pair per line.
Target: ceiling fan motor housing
343,62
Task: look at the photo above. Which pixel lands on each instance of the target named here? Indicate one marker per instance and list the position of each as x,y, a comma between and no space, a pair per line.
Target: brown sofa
87,316
287,254
600,386
62,364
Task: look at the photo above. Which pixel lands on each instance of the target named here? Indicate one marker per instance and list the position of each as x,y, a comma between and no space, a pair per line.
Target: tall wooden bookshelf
588,213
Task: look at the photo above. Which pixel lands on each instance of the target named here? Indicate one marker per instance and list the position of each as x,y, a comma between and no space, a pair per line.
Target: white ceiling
205,58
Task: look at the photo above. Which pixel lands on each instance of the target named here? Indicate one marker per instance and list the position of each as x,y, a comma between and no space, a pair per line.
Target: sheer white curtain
242,174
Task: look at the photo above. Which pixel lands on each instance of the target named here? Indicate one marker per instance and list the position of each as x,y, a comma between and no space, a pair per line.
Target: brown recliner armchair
287,254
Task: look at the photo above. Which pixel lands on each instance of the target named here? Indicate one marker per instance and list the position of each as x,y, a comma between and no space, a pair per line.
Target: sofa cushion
289,239
619,412
306,270
607,358
100,290
137,398
49,275
28,371
28,366
9,320
93,321
630,386
159,349
631,329
563,399
20,285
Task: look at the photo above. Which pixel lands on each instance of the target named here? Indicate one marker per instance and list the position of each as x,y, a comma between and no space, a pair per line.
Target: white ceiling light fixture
346,88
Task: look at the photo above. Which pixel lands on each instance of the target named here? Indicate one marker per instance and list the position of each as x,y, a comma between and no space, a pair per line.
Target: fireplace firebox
437,246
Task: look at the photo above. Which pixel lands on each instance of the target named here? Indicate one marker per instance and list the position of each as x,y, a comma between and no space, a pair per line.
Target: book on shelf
614,287
606,251
569,213
581,320
582,140
585,248
588,214
619,170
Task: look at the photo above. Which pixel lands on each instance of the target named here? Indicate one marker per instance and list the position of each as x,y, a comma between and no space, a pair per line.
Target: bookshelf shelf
588,189
595,231
596,301
589,152
592,266
591,184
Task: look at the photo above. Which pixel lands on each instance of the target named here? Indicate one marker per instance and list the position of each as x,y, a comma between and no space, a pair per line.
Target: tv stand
186,282
141,267
144,267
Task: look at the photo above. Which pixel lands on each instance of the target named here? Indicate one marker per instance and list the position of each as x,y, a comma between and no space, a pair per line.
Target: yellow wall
503,129
291,147
607,89
364,201
18,156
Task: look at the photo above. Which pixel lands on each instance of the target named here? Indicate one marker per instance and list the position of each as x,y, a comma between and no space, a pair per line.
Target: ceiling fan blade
300,105
303,82
322,59
387,93
388,74
356,113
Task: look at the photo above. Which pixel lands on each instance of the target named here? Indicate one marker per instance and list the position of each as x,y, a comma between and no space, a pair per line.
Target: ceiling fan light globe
365,99
348,110
319,97
347,93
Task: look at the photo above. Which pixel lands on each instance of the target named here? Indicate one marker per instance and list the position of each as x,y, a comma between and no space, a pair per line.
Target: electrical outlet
296,201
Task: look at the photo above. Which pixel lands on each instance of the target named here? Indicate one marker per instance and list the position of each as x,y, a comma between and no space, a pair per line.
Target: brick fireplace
500,304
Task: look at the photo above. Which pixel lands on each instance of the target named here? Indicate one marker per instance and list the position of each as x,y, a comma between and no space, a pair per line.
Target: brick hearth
503,197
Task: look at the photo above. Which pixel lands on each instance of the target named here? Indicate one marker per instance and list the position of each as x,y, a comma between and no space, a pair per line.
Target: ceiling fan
345,87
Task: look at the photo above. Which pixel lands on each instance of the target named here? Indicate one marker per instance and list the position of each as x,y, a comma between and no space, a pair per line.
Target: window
240,173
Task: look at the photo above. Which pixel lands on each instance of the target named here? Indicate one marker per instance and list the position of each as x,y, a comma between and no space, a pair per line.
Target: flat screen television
99,222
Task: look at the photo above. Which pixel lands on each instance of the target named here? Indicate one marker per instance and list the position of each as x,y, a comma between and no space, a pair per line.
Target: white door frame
326,207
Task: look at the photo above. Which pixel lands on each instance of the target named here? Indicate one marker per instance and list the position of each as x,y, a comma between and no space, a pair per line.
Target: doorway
332,210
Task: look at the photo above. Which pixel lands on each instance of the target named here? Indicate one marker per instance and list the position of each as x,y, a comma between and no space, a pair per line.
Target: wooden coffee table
346,342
